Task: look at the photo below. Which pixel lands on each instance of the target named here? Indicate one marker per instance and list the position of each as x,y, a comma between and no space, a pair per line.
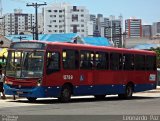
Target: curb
157,90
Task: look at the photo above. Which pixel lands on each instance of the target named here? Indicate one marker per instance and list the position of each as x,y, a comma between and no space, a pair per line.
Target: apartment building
156,28
114,32
147,31
65,18
133,28
19,23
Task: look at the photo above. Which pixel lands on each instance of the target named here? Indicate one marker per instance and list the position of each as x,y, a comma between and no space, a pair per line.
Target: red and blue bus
37,69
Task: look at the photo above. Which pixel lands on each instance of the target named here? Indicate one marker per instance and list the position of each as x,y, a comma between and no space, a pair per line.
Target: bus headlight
8,82
39,82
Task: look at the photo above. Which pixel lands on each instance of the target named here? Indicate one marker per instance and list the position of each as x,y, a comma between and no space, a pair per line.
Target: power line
36,5
22,1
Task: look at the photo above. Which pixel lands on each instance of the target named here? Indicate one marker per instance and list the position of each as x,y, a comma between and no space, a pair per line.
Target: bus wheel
99,97
65,94
128,92
31,99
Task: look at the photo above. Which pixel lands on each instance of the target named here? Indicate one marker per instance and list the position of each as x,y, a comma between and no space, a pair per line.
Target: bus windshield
25,64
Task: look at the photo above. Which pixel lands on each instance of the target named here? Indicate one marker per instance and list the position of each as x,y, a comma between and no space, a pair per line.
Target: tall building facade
133,28
156,28
101,24
65,18
19,23
147,31
109,27
113,31
91,25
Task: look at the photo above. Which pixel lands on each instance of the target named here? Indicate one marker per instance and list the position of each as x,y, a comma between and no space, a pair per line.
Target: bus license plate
19,93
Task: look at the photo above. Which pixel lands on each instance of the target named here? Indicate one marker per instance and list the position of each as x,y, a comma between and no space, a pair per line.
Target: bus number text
67,77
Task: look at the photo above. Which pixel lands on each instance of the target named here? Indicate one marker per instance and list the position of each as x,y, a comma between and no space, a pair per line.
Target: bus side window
115,61
101,59
53,62
70,59
86,60
128,62
139,62
150,63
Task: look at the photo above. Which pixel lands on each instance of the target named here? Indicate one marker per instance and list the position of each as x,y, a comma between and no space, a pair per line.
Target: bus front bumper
38,92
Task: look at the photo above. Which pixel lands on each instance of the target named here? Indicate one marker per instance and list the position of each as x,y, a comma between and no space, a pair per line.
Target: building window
49,11
49,31
74,17
74,8
82,30
49,25
75,29
55,11
82,10
82,20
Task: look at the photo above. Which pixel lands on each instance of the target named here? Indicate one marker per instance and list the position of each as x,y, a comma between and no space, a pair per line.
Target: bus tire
128,92
99,97
31,99
65,94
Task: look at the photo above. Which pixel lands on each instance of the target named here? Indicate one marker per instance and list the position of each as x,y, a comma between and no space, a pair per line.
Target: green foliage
157,50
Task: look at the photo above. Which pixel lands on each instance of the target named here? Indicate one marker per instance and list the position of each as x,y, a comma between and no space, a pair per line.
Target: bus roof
96,48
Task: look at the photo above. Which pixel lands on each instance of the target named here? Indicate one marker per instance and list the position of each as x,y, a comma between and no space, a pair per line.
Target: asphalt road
141,104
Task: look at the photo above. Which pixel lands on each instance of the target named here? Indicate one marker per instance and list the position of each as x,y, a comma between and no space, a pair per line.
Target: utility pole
120,38
33,32
36,5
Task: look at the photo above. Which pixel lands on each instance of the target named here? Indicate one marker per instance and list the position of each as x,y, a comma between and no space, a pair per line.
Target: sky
147,10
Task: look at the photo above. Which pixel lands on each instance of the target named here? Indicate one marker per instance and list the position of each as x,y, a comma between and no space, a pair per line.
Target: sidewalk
153,91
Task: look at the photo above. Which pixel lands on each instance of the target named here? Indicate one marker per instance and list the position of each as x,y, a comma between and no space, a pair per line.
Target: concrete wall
131,42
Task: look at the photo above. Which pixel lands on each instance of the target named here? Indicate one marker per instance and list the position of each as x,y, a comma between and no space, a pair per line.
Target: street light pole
36,5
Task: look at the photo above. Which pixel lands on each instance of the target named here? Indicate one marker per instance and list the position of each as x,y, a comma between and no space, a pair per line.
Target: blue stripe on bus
40,92
99,89
144,87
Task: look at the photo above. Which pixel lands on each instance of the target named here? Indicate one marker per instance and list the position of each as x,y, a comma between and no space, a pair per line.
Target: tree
157,50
